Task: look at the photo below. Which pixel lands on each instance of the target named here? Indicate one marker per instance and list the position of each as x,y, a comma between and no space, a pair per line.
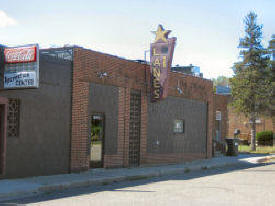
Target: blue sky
208,31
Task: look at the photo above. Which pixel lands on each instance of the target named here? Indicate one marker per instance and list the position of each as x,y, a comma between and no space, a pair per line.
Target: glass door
97,140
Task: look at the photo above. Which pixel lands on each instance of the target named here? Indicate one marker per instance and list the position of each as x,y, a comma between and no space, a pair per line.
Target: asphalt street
234,185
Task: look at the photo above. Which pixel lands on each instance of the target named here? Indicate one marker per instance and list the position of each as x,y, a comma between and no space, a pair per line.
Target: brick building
93,110
231,120
239,121
221,122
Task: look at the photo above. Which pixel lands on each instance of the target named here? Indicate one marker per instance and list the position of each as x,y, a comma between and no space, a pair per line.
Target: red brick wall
79,133
126,74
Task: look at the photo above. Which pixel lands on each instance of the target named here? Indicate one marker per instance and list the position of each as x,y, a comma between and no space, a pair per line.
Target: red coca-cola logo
20,54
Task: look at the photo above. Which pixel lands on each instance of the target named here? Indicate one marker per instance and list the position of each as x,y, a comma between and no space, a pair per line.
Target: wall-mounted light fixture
102,74
179,89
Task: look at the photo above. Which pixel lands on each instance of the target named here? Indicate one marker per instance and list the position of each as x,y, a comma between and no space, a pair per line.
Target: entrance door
134,130
218,130
97,140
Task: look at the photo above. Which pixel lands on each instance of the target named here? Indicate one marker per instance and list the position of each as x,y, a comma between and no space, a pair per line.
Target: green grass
259,149
96,142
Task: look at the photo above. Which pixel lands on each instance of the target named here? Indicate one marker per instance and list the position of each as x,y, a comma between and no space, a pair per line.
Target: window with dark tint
13,118
164,50
178,126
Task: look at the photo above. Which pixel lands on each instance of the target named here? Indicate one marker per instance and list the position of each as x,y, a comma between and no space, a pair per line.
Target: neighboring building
191,70
93,110
221,99
234,120
221,122
222,96
239,121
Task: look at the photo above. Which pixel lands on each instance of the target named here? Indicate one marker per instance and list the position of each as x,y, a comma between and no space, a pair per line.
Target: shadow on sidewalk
122,186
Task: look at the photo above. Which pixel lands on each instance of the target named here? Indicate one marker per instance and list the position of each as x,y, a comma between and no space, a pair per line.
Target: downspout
71,112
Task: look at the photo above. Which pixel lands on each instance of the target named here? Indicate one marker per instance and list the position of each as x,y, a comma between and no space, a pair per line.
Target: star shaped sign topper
161,34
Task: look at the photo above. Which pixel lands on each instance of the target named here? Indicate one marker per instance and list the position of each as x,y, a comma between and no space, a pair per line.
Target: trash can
232,146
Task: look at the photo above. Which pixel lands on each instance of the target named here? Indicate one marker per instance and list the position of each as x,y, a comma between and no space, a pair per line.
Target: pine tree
251,84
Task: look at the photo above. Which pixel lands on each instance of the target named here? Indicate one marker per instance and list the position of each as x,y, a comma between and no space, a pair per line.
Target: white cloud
5,20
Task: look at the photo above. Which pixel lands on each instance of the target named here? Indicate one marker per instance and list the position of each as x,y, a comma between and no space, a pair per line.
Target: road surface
225,186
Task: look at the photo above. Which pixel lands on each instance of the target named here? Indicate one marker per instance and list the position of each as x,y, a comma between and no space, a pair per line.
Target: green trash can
232,146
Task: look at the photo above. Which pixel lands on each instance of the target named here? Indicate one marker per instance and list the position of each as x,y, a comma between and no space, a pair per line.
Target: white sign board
20,79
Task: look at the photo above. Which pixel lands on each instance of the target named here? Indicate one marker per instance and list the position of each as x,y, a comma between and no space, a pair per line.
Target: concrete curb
110,180
44,189
265,159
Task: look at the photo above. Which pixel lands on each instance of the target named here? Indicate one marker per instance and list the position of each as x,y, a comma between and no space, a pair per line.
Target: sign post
161,58
21,68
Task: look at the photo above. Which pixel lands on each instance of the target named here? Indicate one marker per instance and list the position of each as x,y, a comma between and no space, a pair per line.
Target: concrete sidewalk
26,187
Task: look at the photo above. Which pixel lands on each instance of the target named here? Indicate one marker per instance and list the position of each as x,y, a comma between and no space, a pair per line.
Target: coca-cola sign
20,54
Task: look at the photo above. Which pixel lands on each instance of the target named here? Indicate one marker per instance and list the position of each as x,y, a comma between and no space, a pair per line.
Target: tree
221,81
251,83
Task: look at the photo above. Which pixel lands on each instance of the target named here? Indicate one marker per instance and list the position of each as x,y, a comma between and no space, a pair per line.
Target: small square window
178,126
164,50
